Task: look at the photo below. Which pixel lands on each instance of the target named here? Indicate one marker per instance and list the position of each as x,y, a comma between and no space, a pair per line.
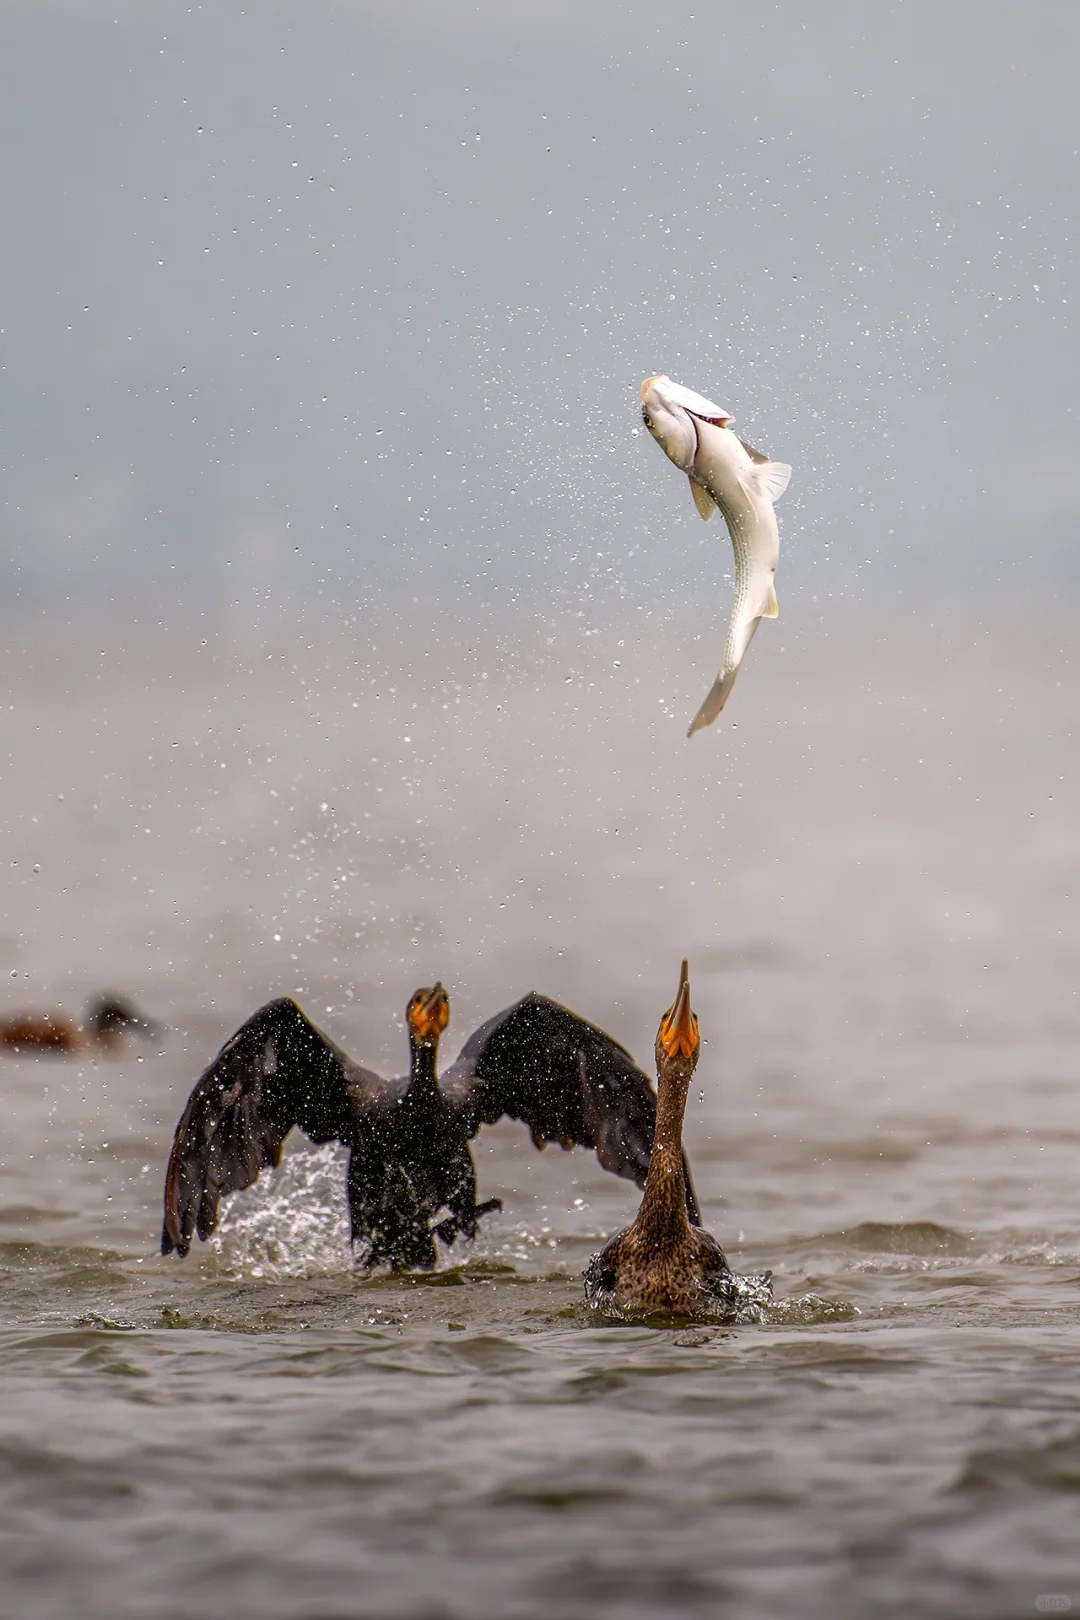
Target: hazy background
349,631
346,304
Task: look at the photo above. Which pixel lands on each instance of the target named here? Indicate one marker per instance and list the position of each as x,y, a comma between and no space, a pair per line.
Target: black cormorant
408,1139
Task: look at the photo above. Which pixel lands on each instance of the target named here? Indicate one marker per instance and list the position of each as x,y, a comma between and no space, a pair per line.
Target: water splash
810,1310
741,1300
294,1222
291,1223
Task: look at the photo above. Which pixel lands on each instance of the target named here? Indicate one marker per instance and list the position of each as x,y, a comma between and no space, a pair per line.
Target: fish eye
646,418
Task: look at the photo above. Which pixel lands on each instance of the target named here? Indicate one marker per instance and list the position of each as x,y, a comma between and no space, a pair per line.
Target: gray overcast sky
342,300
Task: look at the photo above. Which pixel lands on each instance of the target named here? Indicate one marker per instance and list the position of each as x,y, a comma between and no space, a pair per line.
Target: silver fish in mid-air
726,473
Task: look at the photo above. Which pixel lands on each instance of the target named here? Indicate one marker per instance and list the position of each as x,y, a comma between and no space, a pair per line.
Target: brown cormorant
408,1139
664,1264
107,1019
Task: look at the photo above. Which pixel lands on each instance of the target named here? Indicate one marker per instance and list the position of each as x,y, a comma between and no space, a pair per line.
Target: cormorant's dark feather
277,1071
536,1062
566,1080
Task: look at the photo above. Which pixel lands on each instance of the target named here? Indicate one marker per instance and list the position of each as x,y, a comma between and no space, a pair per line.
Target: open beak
679,1029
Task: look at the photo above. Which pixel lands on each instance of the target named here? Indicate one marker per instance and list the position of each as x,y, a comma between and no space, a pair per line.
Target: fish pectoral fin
702,499
769,478
771,610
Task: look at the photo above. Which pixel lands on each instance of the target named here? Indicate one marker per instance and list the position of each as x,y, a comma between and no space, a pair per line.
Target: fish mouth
695,405
679,1026
429,1013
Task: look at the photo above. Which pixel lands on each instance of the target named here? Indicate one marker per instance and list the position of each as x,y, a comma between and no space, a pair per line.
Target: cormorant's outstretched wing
566,1080
277,1071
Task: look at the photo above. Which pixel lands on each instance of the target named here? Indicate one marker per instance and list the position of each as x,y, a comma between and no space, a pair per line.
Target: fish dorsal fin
769,478
771,610
755,455
702,499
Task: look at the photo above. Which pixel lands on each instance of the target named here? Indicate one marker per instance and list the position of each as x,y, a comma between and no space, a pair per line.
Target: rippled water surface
872,864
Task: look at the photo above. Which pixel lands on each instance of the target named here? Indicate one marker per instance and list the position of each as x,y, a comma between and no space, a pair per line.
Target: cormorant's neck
423,1070
663,1205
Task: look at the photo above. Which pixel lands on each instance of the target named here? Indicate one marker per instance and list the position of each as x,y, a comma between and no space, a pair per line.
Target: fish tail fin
718,695
734,653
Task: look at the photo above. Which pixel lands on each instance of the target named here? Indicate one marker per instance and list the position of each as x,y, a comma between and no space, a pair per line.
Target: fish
724,472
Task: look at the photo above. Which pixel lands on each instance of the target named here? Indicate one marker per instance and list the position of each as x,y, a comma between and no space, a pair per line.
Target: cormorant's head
108,1015
427,1015
677,1039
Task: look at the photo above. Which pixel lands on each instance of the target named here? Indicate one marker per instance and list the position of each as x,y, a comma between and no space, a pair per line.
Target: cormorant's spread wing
277,1071
566,1080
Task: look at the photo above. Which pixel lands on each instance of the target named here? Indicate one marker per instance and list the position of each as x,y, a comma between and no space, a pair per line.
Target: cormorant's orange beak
678,1027
429,1013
